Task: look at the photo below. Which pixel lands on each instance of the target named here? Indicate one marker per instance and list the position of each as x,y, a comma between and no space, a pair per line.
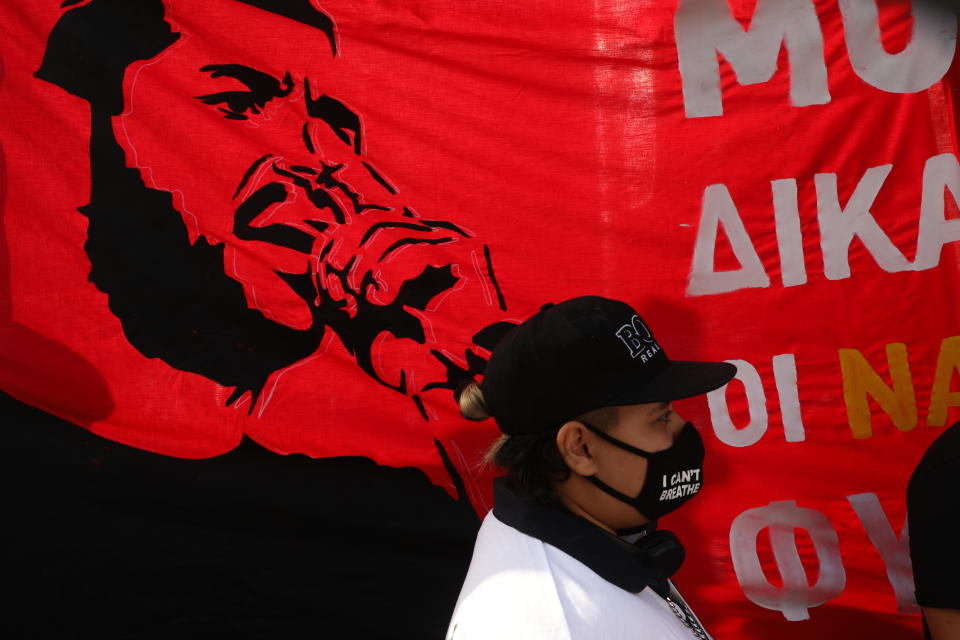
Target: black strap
615,442
603,486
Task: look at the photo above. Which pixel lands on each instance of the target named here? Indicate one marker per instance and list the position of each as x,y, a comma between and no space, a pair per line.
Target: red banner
309,222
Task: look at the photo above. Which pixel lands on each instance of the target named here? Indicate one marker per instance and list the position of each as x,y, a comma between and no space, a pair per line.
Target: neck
582,498
572,505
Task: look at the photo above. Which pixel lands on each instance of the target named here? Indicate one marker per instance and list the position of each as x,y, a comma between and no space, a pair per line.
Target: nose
311,127
342,121
676,424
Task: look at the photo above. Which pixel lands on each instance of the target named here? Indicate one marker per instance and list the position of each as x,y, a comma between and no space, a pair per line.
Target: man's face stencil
242,95
236,223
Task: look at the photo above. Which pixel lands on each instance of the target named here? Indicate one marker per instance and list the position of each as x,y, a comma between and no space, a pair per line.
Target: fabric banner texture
286,228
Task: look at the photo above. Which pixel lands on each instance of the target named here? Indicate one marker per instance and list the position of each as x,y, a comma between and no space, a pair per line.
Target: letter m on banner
705,27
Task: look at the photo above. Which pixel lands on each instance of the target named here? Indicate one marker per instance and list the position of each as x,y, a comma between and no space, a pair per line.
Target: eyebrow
303,12
262,89
259,82
660,407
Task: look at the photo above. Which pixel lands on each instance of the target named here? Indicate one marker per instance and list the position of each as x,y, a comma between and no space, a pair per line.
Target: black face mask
674,475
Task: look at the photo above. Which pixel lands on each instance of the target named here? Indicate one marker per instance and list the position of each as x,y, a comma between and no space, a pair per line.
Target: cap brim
680,379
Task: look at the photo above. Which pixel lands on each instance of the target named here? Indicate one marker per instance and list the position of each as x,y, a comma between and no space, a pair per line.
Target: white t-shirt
521,588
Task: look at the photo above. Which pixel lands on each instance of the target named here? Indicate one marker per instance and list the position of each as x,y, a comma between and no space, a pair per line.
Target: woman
594,455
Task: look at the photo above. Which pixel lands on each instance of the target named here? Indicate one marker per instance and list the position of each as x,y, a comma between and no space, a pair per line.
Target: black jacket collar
616,561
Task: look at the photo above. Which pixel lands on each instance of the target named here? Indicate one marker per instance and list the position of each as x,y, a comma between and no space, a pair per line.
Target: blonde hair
490,457
472,404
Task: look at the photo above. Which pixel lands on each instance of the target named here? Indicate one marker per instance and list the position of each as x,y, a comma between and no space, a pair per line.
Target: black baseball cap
583,354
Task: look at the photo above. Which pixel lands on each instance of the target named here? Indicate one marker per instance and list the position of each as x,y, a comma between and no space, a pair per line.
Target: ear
573,445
